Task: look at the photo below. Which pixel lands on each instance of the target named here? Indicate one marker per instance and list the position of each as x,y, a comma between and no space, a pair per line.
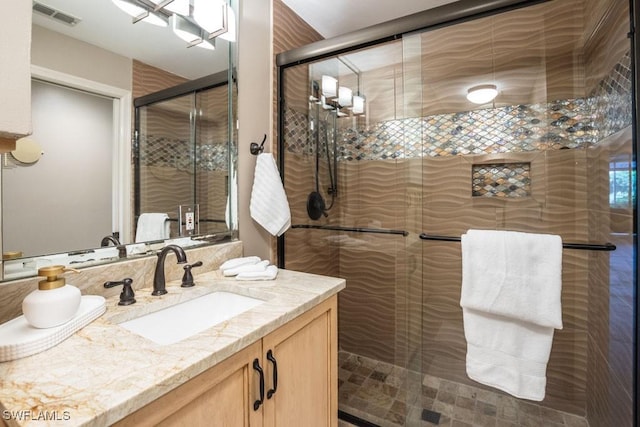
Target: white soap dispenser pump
54,302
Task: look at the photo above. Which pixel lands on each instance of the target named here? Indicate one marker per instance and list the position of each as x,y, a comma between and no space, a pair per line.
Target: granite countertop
105,372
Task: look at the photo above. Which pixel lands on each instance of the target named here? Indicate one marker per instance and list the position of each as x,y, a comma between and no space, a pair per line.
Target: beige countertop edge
103,372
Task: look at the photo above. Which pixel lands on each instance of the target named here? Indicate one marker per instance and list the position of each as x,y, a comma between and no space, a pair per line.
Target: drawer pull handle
272,359
257,403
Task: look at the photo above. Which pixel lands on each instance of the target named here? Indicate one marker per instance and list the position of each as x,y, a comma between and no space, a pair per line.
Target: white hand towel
152,226
269,273
511,289
269,206
252,268
237,262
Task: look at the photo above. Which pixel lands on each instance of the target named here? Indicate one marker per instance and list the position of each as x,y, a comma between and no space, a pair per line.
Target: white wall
62,202
255,111
58,52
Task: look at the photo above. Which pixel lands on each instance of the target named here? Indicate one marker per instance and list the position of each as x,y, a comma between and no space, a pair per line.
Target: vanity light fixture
230,34
181,7
198,22
345,96
329,87
189,32
482,94
337,97
139,13
358,104
216,17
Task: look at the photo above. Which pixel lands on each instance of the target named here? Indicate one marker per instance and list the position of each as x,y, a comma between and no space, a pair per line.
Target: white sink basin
180,321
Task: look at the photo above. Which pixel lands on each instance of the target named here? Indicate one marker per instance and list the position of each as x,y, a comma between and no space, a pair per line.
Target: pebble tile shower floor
376,392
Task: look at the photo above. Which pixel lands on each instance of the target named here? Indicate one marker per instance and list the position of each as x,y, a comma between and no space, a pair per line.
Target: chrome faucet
158,278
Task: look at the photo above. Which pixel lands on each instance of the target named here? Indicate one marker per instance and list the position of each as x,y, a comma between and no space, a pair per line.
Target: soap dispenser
54,302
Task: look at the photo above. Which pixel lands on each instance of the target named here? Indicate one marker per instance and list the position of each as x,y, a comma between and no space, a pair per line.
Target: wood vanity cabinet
299,363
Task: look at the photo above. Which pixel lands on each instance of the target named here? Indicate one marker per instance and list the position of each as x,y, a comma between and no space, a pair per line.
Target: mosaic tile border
177,153
570,123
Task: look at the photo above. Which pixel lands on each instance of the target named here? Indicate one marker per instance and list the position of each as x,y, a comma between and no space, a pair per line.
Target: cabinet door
221,396
305,351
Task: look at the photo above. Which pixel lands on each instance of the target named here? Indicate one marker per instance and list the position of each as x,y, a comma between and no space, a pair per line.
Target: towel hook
257,149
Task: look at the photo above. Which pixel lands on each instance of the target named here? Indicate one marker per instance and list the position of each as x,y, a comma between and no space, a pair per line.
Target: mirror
107,60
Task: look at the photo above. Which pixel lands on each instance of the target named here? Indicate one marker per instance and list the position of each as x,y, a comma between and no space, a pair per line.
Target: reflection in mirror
181,159
62,202
105,53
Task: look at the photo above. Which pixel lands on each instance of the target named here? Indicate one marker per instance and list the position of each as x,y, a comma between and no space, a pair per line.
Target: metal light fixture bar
213,22
140,11
162,4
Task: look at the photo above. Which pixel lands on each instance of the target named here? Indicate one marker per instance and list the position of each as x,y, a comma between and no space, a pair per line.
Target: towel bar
581,246
352,229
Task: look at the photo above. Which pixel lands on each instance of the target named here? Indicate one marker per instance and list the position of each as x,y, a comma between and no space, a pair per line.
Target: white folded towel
511,289
269,273
152,226
237,262
269,206
251,268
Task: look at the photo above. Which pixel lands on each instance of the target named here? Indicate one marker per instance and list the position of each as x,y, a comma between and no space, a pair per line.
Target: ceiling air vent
52,13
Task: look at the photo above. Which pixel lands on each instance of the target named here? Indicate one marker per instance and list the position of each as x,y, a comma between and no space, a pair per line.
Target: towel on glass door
510,299
269,206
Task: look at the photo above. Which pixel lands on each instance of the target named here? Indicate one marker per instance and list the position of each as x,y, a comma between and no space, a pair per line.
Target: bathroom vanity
273,364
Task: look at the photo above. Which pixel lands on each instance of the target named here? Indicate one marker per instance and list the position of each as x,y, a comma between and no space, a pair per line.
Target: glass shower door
346,168
166,158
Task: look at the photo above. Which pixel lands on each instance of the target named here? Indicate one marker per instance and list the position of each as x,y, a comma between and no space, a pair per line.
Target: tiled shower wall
415,174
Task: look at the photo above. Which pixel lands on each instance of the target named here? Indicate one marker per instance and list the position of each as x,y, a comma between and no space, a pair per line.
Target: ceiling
103,24
331,18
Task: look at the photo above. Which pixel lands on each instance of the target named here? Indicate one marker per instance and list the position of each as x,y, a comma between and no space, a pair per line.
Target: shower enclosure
386,163
182,157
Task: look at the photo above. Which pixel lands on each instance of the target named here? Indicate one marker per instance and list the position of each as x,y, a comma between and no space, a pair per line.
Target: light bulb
209,14
344,96
358,104
329,87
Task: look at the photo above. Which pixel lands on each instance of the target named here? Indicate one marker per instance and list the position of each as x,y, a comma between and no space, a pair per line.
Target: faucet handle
187,279
127,295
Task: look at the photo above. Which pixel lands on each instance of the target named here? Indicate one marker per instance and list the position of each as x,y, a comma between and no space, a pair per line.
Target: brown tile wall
289,32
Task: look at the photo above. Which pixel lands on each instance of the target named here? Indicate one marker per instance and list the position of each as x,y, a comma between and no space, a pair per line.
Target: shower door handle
272,359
